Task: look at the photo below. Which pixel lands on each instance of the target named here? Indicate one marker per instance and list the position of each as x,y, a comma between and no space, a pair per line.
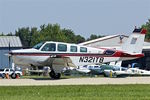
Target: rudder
134,43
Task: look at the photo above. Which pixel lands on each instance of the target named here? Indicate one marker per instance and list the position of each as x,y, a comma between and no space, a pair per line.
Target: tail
134,43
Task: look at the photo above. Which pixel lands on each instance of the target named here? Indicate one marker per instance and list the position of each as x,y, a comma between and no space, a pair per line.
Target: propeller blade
9,46
9,56
9,61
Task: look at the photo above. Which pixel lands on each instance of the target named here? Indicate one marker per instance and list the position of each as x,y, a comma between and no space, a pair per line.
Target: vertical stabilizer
134,43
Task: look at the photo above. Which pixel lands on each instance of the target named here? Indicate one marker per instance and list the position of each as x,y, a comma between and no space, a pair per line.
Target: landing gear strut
54,75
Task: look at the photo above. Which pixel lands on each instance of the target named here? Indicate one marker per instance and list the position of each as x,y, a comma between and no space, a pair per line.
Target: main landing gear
54,75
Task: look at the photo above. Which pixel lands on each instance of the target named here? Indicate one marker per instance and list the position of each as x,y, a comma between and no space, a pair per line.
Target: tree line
50,32
53,32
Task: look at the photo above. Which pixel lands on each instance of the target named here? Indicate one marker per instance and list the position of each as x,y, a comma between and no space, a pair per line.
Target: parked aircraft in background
58,55
123,72
96,69
92,69
117,72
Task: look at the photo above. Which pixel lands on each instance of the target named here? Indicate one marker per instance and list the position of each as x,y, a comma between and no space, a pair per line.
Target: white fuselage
80,56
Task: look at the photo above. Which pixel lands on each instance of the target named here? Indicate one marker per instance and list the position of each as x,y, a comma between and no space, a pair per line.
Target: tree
2,34
70,36
34,33
10,34
51,32
93,36
147,27
79,39
26,35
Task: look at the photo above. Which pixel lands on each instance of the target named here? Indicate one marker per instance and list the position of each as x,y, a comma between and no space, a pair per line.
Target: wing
59,61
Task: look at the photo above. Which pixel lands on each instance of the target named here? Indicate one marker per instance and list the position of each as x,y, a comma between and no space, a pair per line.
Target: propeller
9,56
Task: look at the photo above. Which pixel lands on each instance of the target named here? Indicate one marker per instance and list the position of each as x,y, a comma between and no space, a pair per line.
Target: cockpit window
37,46
62,47
109,52
49,47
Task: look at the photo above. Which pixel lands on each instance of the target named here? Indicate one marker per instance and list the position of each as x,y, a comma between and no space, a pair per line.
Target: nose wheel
54,75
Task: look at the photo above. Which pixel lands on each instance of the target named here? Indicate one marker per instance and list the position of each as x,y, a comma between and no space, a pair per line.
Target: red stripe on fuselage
116,54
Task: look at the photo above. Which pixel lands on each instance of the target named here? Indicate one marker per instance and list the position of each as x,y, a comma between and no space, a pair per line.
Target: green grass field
62,77
81,92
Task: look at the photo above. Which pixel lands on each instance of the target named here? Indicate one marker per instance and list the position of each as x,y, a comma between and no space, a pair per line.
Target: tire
3,75
114,74
54,75
105,75
13,76
57,76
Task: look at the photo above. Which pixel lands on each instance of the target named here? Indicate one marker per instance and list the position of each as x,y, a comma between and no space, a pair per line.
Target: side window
49,47
62,47
85,66
95,66
73,48
83,49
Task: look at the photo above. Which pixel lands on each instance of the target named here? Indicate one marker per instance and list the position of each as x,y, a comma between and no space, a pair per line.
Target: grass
33,76
80,92
63,76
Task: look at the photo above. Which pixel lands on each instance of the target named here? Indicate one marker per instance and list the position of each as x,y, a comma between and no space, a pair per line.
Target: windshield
37,46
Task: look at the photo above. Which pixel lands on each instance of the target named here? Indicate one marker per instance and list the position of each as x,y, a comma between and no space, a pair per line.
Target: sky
84,17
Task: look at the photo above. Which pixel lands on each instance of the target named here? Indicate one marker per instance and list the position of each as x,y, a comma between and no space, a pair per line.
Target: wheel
105,75
114,74
54,75
13,76
3,75
57,76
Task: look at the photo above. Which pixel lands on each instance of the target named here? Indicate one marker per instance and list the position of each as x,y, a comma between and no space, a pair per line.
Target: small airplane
95,69
138,72
116,72
58,55
124,72
90,69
